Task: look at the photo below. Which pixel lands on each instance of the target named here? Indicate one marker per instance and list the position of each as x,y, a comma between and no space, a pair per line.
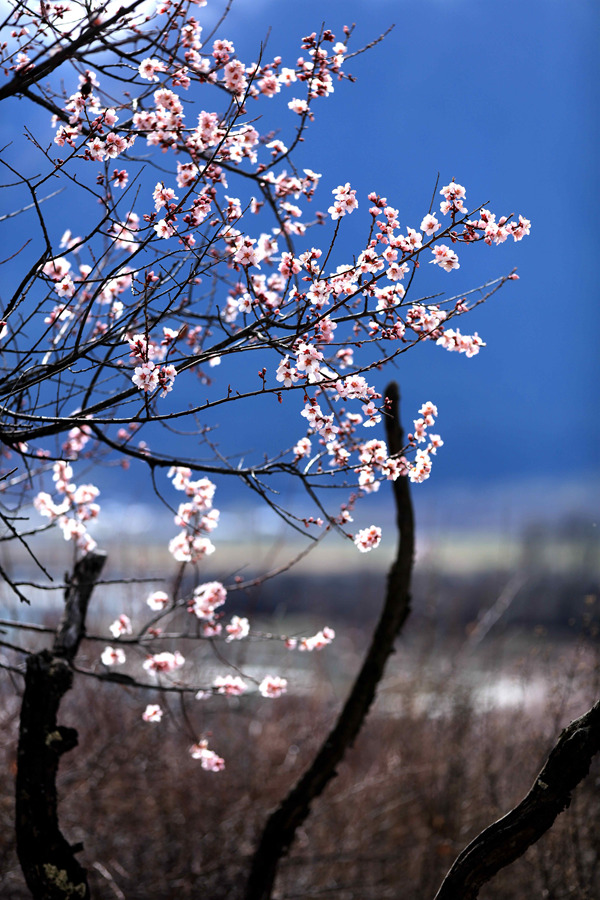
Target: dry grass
431,769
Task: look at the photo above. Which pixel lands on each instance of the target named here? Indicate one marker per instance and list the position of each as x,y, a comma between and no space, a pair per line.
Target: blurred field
443,754
495,660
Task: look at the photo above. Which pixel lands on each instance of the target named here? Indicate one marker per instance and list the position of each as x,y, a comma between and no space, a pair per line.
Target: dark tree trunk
281,826
48,860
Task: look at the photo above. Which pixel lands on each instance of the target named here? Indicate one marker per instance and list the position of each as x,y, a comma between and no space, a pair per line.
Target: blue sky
504,98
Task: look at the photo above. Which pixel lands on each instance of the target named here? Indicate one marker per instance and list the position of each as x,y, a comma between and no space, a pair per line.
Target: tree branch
507,839
27,77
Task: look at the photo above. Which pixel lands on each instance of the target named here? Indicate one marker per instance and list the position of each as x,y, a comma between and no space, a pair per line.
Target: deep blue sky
503,96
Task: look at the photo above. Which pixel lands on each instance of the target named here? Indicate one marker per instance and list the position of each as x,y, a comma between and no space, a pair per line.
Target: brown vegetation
433,767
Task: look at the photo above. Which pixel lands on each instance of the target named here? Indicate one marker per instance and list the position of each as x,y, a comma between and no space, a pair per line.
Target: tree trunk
507,839
281,826
47,859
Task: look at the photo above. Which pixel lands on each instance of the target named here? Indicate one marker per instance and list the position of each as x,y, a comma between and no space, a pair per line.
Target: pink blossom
166,378
435,441
345,355
191,33
419,432
345,201
180,476
72,529
445,257
62,472
120,177
96,149
146,377
222,50
237,629
272,686
370,410
56,269
319,293
308,359
235,77
190,548
138,344
187,174
421,468
289,265
164,662
298,106
317,641
430,225
112,656
429,409
207,597
85,494
209,521
368,538
519,229
121,626
269,84
76,440
165,229
65,288
208,758
202,491
374,452
397,271
394,467
115,145
286,373
246,255
231,685
353,387
162,196
276,147
149,67
287,76
302,448
461,343
152,713
158,600
454,195
66,134
367,481
46,507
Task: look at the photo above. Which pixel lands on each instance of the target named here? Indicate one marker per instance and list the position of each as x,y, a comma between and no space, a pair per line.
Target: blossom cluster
76,509
196,517
420,469
148,376
220,285
316,642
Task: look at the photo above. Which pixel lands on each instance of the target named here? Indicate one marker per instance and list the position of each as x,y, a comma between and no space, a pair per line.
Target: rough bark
507,839
47,859
281,826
